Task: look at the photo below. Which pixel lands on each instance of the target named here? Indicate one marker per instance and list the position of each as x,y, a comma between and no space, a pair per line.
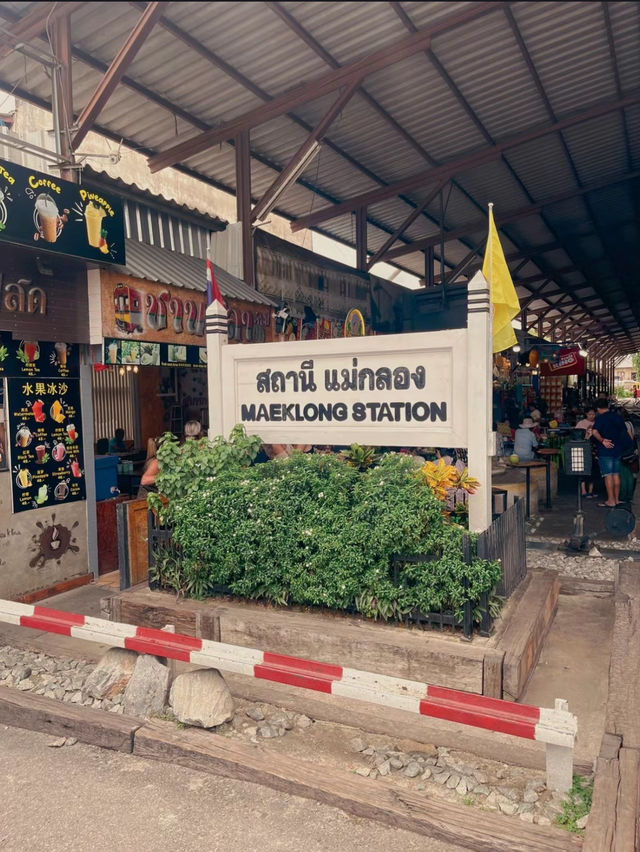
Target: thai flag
213,291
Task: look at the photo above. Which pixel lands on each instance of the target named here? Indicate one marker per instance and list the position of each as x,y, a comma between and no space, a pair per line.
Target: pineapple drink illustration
93,216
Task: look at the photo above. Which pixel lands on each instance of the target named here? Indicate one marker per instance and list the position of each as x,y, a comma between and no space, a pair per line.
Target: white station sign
392,390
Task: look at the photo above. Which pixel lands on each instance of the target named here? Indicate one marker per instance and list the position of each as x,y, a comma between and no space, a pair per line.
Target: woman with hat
525,441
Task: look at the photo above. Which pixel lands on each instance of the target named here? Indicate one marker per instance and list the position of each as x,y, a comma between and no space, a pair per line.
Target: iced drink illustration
113,353
71,431
61,354
30,349
75,469
24,478
23,437
43,493
48,215
38,413
58,452
40,451
93,216
61,490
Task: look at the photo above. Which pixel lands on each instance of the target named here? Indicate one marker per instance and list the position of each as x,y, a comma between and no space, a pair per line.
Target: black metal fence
505,540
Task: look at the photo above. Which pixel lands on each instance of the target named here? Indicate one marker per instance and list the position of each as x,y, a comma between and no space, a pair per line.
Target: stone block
202,698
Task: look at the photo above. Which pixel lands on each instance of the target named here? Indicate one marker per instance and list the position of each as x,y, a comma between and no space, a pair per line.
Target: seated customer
117,444
102,447
525,441
150,469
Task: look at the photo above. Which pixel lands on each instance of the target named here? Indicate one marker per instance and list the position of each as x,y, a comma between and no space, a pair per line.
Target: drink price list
35,358
44,432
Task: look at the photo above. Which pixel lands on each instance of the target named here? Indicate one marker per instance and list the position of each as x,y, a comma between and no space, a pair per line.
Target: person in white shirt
525,441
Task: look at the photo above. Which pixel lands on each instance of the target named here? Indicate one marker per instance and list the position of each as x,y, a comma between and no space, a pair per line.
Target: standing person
611,434
586,423
525,441
635,391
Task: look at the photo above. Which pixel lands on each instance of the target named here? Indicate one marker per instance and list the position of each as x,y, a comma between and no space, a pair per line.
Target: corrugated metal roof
169,267
475,84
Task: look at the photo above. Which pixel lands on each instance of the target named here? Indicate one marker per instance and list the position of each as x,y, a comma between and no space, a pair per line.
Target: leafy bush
312,530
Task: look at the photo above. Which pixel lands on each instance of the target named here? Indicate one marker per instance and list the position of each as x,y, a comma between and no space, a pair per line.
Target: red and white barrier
555,727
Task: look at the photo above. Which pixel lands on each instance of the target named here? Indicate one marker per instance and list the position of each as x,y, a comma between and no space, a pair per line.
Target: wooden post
480,438
216,338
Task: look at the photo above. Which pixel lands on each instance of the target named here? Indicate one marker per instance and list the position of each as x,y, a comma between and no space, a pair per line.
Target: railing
505,540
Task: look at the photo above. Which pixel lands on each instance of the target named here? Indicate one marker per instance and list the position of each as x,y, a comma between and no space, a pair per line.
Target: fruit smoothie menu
44,433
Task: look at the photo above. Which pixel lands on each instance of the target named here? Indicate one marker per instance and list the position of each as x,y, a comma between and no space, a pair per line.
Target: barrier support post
559,757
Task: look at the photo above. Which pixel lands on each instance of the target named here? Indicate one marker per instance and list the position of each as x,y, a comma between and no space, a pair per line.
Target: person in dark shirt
611,435
117,444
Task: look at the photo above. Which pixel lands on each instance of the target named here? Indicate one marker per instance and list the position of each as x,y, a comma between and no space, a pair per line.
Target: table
548,453
527,465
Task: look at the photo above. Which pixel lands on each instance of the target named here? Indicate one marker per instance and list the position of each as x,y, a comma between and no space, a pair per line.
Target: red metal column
361,239
243,203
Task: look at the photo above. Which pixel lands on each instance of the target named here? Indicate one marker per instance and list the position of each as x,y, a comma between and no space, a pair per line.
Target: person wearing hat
525,441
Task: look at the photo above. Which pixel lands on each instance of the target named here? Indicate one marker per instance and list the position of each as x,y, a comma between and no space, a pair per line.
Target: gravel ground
587,567
440,772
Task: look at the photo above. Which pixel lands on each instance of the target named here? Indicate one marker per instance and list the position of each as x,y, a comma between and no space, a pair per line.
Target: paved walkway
75,798
574,664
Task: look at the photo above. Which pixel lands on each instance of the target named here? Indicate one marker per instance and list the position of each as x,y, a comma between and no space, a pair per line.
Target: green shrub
312,530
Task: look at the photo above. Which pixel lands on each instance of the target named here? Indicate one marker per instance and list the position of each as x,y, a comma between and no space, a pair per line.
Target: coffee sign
45,212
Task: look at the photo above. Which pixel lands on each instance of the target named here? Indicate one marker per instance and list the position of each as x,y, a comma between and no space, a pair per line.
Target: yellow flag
503,294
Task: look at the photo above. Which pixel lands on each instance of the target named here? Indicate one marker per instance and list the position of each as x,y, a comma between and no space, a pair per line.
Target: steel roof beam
460,164
33,24
524,51
114,74
314,89
520,213
379,255
287,175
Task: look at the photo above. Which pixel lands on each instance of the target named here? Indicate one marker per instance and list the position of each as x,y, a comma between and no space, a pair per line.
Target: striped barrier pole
556,727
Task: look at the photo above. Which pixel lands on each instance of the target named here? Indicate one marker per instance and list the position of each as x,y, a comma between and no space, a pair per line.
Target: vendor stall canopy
386,125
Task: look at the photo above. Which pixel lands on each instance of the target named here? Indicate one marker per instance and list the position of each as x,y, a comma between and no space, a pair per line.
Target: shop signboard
397,390
42,211
569,363
149,324
45,434
140,353
138,310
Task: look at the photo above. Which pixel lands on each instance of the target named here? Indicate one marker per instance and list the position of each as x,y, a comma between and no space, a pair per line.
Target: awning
170,267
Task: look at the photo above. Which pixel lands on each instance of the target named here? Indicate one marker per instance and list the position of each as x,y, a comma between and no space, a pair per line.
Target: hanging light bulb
516,348
121,371
583,352
135,369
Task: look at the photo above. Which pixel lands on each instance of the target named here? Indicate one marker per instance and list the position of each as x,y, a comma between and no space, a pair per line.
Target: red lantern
534,357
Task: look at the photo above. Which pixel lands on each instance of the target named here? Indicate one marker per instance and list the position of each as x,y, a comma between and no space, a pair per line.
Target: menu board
34,358
45,212
44,432
145,354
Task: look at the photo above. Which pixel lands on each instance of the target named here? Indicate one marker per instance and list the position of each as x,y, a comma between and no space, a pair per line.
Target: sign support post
216,331
479,400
